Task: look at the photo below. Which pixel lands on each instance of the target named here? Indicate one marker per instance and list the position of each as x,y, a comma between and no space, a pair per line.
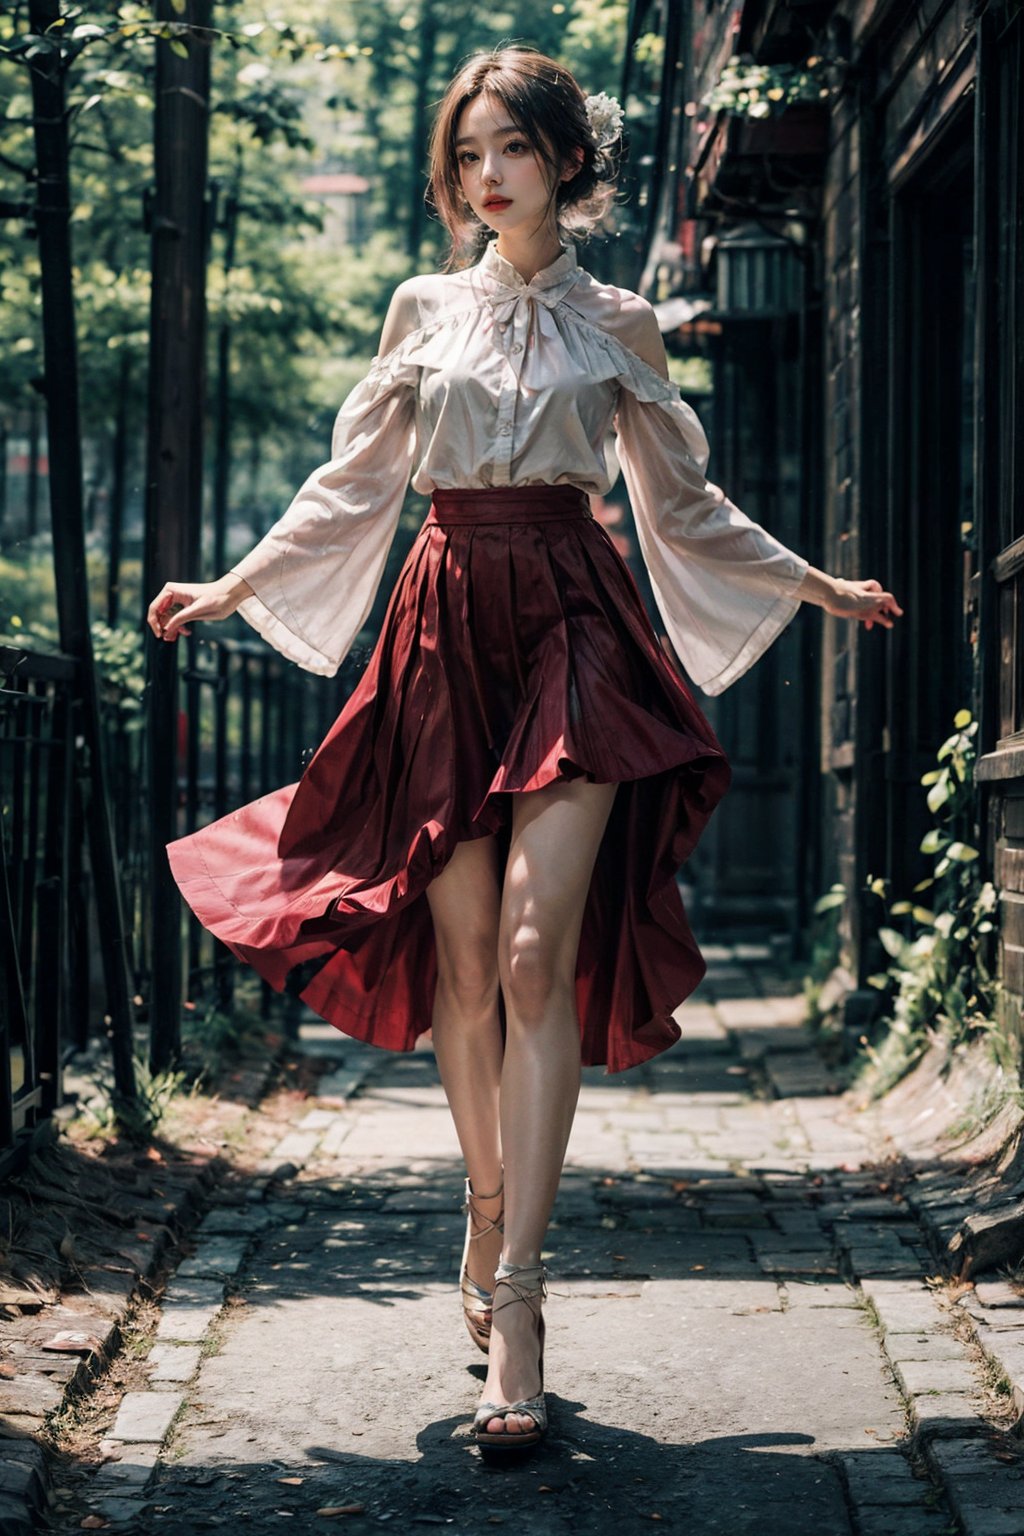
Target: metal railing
248,723
40,914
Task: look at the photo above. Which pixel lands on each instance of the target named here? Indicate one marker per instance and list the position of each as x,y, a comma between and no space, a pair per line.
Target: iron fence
40,919
248,722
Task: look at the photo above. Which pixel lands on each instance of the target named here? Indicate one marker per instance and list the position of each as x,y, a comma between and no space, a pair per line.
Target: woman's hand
182,602
864,600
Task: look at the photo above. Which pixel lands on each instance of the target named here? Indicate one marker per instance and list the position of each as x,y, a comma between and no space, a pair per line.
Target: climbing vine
939,981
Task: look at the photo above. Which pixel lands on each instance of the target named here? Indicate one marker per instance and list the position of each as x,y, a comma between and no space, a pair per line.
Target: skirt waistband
509,504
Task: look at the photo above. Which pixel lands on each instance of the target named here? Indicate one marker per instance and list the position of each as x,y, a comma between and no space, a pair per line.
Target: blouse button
505,428
518,347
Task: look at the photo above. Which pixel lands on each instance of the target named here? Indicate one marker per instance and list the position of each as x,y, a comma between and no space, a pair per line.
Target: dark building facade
853,266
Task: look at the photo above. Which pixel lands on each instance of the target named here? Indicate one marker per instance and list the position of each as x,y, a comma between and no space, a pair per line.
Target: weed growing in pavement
827,952
108,1115
211,1037
211,1343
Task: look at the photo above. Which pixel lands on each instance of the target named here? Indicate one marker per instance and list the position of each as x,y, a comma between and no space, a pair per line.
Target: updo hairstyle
549,109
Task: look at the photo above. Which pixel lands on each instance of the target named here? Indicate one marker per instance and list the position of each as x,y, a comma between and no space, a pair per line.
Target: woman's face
504,180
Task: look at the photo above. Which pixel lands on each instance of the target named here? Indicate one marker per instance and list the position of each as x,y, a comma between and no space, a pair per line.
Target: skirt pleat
515,652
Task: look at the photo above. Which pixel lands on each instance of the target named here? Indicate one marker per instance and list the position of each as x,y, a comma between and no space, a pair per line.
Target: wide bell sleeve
724,586
315,573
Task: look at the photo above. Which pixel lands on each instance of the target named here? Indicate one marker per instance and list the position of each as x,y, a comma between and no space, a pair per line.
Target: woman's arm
863,600
308,583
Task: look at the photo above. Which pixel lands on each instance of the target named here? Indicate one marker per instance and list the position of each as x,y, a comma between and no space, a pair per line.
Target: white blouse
486,380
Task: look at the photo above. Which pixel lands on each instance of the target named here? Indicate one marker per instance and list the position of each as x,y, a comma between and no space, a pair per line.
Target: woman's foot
513,1371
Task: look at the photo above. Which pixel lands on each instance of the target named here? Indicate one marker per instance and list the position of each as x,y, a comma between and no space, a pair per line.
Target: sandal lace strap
528,1281
488,1224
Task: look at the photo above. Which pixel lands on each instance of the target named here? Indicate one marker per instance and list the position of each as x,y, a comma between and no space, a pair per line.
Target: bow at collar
517,306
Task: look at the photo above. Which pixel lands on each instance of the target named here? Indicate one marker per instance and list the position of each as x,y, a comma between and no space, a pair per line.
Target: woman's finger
175,604
165,599
155,614
173,627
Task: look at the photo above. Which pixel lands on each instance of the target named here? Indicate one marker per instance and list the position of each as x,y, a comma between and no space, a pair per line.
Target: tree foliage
296,89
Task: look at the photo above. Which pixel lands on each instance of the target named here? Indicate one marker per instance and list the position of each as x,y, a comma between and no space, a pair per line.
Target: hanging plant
746,89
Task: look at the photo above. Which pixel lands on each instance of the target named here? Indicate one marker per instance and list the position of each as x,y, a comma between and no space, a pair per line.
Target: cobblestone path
712,1363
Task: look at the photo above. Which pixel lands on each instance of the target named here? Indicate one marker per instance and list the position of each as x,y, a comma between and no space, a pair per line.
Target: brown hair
546,104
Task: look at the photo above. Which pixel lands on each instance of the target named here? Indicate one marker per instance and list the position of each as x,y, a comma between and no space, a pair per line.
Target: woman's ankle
494,1187
521,1259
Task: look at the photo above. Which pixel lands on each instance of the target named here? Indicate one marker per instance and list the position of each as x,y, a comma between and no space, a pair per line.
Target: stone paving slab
185,1324
739,1334
145,1416
934,1376
129,1464
215,1255
172,1362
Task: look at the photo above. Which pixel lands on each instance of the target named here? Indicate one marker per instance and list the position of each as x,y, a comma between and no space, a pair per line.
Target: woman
486,842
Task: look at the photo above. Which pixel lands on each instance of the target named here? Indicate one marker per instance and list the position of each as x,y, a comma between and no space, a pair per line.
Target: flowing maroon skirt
516,651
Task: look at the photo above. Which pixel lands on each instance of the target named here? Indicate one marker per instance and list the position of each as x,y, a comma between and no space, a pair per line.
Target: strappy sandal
528,1282
476,1302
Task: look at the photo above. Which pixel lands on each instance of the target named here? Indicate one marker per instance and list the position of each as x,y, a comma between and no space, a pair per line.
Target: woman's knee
464,907
467,971
533,973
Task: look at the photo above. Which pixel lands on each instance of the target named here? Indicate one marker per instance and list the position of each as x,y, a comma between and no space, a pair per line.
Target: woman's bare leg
464,903
556,833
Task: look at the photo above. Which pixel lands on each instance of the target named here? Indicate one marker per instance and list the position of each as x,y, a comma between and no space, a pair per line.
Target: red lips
498,202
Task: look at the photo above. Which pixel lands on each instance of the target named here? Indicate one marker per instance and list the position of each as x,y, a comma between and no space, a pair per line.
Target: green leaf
938,795
934,841
961,718
923,915
922,885
900,908
962,852
176,45
933,776
892,941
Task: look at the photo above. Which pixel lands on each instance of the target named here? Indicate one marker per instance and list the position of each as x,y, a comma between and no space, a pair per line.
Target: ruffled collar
563,266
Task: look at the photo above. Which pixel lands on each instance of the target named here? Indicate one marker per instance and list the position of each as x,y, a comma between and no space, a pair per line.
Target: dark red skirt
516,651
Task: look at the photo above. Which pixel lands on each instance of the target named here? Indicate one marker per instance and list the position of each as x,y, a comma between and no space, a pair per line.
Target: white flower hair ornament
606,117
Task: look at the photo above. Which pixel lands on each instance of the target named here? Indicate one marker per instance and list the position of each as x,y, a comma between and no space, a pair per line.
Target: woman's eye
516,144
